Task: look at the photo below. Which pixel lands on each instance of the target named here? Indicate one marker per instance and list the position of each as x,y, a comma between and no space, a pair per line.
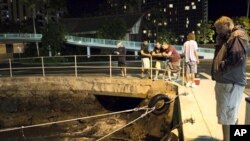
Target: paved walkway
200,105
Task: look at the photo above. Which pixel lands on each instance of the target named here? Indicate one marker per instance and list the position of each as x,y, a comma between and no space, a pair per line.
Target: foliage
243,21
53,38
33,4
169,37
204,33
57,4
113,29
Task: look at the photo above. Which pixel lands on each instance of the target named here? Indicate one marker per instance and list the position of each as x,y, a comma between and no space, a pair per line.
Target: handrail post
183,70
110,66
75,66
151,67
43,66
10,67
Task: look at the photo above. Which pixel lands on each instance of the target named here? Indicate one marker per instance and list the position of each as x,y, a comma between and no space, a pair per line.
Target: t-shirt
175,56
189,48
144,48
158,50
122,52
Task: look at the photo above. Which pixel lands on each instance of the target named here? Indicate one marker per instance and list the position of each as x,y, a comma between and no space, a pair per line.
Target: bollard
247,117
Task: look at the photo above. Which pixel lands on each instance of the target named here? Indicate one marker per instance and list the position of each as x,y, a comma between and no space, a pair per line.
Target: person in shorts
190,51
229,71
173,57
121,52
158,57
145,57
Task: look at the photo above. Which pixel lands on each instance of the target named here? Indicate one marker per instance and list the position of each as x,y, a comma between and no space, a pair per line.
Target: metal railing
74,65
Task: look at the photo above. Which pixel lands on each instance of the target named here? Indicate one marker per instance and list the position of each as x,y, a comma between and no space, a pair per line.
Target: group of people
228,67
167,58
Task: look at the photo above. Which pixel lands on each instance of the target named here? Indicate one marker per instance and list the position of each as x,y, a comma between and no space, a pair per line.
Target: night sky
231,8
216,8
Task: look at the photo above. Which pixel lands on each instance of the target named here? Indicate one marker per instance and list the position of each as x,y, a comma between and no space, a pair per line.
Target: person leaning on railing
174,57
157,56
145,57
122,58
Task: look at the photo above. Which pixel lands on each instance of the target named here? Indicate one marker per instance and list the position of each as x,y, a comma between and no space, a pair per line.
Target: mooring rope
148,111
74,119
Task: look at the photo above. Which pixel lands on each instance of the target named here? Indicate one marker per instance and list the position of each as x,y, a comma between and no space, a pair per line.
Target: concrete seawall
34,100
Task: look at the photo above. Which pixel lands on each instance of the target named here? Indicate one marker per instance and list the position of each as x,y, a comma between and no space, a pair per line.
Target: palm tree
33,5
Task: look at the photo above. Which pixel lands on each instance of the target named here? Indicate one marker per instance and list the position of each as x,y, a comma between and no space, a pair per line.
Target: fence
71,65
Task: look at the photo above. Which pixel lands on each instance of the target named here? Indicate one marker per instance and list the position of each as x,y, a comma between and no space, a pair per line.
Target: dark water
75,131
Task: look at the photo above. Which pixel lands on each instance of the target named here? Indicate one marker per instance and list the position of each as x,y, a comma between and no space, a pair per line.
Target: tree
33,6
204,33
53,38
243,21
169,37
113,29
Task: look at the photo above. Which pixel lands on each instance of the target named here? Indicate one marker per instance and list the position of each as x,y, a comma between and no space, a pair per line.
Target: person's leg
193,70
147,67
158,67
228,98
188,70
125,71
142,68
122,72
226,132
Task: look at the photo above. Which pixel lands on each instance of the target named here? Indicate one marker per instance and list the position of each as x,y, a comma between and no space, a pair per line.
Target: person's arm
236,51
156,54
167,54
196,52
144,54
196,56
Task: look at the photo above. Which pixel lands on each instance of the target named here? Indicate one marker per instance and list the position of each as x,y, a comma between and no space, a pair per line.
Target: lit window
144,1
194,7
187,7
199,24
154,21
164,9
125,7
149,14
192,3
171,5
165,23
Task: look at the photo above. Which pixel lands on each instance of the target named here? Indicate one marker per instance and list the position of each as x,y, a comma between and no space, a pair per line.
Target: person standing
190,51
229,71
174,57
157,55
145,57
122,58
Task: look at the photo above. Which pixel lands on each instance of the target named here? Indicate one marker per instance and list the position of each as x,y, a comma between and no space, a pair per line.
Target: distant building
177,16
13,11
